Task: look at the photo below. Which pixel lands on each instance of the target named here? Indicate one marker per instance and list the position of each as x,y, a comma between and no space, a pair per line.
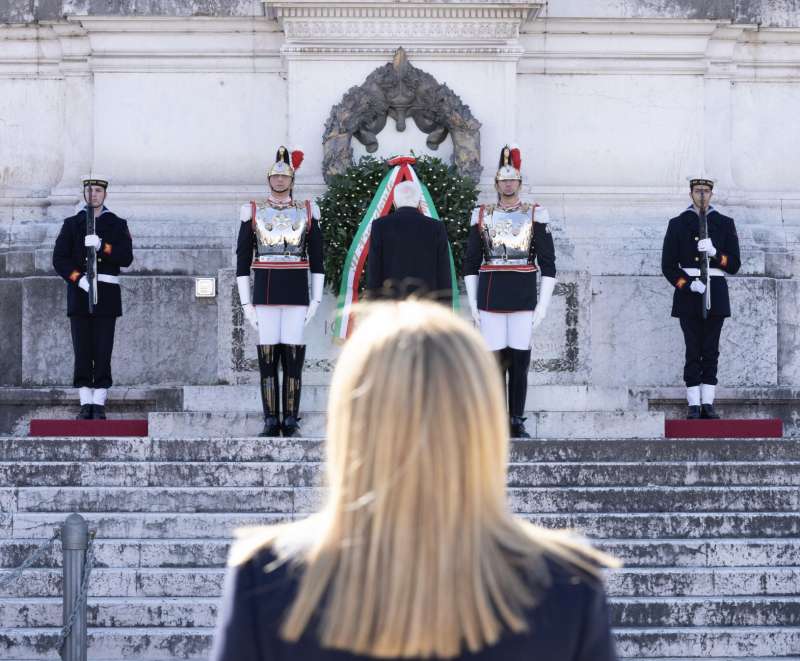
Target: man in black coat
93,332
409,252
681,259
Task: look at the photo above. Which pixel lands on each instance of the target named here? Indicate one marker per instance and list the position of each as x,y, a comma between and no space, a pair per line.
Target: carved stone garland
399,90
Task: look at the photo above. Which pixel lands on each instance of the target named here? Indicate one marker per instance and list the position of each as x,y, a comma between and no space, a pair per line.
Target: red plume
297,157
516,157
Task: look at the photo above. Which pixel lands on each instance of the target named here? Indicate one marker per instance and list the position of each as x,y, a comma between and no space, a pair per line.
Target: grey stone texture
783,13
30,11
634,339
788,332
19,405
10,332
165,336
772,13
705,575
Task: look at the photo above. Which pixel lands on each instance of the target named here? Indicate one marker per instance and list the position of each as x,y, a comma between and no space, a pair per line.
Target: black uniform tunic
510,290
93,334
701,336
69,261
279,286
680,251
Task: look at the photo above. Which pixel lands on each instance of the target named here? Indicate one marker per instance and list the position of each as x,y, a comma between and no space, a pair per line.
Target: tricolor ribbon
380,205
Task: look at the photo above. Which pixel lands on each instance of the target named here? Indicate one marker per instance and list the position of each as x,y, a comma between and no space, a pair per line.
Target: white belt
110,279
695,273
280,258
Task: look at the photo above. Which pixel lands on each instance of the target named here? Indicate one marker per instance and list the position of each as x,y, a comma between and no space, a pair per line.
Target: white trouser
507,329
281,324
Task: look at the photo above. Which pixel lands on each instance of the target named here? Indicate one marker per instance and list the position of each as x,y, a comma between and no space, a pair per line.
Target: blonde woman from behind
415,553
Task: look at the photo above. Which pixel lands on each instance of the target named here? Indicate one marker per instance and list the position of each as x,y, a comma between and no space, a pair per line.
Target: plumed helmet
286,161
510,166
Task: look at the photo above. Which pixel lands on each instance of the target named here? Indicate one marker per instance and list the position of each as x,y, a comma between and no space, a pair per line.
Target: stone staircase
575,411
708,530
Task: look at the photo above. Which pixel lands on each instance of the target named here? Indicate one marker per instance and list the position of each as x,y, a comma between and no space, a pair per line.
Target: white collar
82,207
691,207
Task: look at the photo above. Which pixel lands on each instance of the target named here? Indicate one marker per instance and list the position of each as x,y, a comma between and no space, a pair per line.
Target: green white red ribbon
380,205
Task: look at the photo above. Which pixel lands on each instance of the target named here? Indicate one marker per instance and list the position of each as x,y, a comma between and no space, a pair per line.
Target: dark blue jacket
69,261
680,252
571,622
409,254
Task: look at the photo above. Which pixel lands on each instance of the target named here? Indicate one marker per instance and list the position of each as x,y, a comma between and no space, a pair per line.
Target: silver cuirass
507,235
281,233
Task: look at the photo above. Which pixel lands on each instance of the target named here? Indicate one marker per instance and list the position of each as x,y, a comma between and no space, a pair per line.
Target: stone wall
606,331
614,103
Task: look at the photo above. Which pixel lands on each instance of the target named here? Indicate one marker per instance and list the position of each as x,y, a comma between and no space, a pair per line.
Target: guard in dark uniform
409,252
681,259
93,332
280,240
508,243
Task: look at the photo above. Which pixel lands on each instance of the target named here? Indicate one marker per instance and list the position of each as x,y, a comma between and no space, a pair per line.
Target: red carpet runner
770,428
107,428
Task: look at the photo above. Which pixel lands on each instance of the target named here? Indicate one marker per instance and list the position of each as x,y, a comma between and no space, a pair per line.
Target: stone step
251,449
160,612
712,642
18,406
751,403
553,424
213,553
632,582
311,473
143,644
309,499
246,398
663,526
705,612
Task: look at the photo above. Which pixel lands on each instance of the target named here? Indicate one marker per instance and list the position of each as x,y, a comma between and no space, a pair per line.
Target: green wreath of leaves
346,200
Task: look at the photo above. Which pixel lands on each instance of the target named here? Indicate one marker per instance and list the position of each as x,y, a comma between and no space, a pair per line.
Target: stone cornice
358,26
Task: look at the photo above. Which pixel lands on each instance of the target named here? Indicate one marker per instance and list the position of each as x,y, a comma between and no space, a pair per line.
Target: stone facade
614,104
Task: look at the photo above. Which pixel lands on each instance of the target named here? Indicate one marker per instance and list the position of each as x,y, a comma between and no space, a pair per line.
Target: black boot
268,355
503,357
707,412
98,412
518,391
292,358
693,413
85,413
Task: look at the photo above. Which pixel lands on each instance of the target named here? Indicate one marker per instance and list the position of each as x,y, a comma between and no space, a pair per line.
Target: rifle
704,276
91,260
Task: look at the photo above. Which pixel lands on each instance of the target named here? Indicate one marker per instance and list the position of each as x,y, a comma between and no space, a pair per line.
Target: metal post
74,542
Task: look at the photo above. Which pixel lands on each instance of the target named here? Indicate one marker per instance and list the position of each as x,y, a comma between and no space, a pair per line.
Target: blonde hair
416,552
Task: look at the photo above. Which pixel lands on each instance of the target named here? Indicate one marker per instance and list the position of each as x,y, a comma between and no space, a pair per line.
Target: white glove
705,245
471,283
92,241
545,294
698,287
243,283
317,287
83,283
311,311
